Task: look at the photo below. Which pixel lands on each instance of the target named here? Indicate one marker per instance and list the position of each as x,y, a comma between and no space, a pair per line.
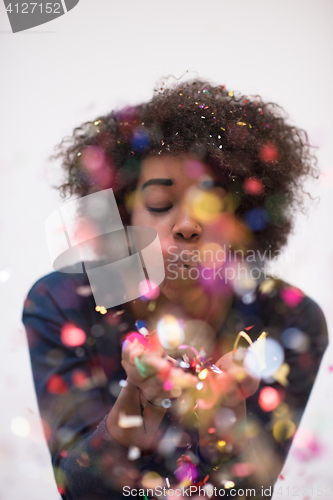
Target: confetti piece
143,368
259,349
239,336
267,286
221,444
281,374
127,421
83,460
215,369
118,313
203,374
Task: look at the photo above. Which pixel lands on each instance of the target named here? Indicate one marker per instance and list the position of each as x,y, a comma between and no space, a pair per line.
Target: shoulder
61,288
287,300
285,306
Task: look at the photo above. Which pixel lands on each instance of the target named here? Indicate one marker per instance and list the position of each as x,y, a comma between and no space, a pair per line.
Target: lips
187,260
181,258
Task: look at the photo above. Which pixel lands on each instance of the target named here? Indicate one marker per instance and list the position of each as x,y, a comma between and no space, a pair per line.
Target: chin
181,291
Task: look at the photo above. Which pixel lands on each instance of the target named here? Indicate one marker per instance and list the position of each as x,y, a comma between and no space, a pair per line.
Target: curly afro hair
248,144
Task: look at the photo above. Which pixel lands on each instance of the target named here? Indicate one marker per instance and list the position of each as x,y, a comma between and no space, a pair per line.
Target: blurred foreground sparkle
5,275
268,399
169,332
283,429
20,426
133,453
153,292
127,421
152,480
72,336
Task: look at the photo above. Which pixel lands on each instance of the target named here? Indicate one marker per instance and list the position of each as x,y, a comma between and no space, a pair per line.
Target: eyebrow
157,182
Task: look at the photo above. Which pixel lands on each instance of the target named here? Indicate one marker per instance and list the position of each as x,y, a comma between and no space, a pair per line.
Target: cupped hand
230,387
156,374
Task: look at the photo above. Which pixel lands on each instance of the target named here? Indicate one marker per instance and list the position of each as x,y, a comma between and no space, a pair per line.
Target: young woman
176,406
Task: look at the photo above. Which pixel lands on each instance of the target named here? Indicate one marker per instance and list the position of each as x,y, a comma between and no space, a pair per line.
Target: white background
104,54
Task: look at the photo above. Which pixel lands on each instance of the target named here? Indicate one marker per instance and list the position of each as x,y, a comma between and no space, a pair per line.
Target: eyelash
159,210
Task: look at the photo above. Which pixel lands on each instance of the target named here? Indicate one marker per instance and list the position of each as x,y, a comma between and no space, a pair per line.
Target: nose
186,228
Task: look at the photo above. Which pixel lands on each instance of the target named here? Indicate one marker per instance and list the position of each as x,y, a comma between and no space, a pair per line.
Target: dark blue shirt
76,386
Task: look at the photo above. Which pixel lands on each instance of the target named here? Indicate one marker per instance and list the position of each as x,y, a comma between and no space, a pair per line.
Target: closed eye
159,209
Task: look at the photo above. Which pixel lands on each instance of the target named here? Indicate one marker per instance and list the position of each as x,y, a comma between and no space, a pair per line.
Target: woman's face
180,198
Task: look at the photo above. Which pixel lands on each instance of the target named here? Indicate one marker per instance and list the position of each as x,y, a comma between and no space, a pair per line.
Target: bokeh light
253,186
292,296
264,357
153,290
283,429
169,332
194,169
206,207
257,219
293,338
268,399
269,153
72,336
20,426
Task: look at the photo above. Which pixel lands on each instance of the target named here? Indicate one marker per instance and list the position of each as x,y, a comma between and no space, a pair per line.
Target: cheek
163,226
